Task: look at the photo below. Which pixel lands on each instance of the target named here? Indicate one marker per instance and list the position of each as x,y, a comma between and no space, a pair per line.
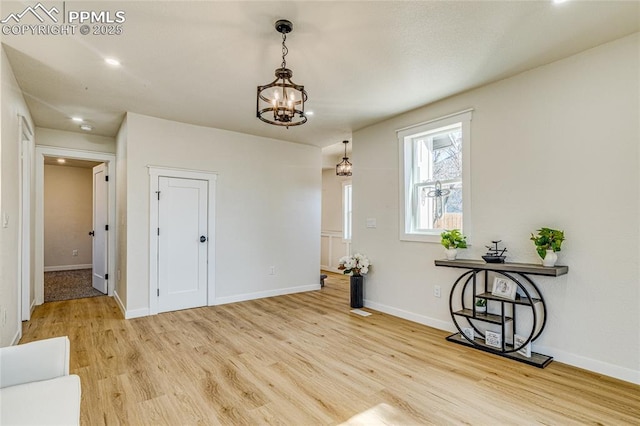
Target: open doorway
108,267
336,225
69,215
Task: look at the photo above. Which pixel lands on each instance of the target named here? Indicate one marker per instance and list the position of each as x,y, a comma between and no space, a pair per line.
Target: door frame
155,172
24,243
43,151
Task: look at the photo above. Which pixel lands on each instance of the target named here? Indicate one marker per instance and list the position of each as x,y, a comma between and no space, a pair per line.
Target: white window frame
347,212
405,157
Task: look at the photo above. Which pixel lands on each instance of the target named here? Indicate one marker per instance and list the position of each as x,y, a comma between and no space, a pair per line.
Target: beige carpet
65,285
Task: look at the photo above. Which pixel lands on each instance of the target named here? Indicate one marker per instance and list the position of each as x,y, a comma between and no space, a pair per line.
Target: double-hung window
435,187
346,210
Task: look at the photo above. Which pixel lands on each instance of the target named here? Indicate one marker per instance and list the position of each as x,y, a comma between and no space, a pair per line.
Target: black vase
357,296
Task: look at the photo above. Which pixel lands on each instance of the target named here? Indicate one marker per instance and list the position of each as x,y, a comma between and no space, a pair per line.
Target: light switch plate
371,223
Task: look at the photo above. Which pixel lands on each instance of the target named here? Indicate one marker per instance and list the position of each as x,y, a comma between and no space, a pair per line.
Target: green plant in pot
548,241
481,305
452,240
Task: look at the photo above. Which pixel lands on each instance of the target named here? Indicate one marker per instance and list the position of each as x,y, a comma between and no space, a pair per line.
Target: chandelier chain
284,51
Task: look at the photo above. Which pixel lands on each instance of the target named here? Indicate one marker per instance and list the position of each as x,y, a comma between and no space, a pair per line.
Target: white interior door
100,226
182,243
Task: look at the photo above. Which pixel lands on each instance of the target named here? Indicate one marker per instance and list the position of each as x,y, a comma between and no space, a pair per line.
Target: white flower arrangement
358,264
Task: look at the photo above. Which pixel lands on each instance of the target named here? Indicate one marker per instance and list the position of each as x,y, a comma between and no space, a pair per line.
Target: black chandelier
343,168
281,102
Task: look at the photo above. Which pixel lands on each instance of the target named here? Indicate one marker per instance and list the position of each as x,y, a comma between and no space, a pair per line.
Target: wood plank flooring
305,360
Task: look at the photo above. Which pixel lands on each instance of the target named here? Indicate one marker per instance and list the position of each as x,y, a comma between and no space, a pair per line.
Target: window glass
435,168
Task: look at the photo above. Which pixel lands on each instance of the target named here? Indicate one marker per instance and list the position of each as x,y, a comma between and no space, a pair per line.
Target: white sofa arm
34,361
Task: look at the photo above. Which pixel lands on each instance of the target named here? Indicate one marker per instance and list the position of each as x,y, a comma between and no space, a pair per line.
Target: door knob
203,239
92,233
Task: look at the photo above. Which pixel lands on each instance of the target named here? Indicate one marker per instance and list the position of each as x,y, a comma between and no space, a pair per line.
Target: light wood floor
305,360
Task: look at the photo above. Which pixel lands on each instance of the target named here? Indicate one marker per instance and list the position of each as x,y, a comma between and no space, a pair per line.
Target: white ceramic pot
481,309
550,258
451,253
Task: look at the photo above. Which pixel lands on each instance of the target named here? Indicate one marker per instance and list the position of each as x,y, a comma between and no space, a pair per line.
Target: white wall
68,217
556,146
74,140
267,207
13,105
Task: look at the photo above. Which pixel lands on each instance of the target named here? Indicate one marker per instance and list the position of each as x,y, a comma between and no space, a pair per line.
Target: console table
526,315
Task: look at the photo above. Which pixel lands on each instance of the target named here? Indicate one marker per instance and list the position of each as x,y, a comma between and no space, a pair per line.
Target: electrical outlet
74,253
436,290
272,270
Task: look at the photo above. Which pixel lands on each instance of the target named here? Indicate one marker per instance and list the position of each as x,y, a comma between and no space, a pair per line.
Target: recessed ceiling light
86,127
77,119
309,113
61,160
559,1
112,61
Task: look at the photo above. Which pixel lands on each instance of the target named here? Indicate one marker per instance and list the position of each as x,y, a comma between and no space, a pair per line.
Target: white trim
444,117
116,297
622,373
346,183
404,149
420,319
25,162
334,235
596,366
67,267
110,163
17,336
155,172
135,313
264,294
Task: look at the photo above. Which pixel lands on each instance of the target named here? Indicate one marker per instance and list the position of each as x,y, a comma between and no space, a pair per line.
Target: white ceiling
360,61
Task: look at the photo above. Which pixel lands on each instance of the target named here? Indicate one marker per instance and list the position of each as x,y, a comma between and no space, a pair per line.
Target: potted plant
357,265
548,241
481,305
451,241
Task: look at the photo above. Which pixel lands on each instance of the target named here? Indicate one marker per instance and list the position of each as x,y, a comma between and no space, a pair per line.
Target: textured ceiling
360,61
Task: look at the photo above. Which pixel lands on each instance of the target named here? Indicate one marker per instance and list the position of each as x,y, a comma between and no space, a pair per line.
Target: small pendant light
344,167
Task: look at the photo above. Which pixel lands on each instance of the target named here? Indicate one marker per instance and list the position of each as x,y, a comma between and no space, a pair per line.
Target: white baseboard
116,296
67,267
129,314
420,319
599,367
18,335
263,294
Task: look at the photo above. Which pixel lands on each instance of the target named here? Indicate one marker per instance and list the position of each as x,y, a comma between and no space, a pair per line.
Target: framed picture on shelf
468,331
503,287
492,338
519,341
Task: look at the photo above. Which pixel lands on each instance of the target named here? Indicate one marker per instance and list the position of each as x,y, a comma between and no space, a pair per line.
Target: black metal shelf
517,301
537,359
473,284
491,318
